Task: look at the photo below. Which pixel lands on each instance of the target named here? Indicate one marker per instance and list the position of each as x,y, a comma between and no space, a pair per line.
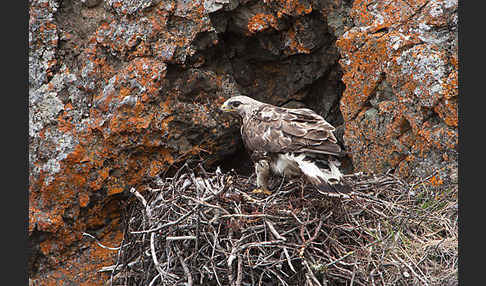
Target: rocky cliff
122,91
400,67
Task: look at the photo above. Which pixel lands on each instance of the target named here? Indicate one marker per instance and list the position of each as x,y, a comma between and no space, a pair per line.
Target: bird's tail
329,181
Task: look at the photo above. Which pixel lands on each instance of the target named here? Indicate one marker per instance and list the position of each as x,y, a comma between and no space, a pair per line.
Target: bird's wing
276,129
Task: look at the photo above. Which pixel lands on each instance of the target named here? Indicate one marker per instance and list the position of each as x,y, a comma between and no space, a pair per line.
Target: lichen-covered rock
120,91
129,7
400,71
43,41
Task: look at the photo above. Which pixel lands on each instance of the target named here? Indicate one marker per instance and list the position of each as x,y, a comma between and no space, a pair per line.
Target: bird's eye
236,103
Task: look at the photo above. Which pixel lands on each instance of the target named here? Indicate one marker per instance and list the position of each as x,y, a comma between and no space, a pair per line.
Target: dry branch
203,228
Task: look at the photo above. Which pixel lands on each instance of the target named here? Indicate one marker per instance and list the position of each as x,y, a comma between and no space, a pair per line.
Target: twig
239,273
289,262
411,269
310,272
186,237
167,224
162,273
139,196
101,245
187,272
154,279
274,231
267,235
339,259
252,216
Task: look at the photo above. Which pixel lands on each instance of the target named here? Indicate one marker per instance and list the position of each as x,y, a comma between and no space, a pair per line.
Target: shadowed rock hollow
122,91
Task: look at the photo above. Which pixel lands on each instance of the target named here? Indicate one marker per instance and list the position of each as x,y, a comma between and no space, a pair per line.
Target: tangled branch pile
201,228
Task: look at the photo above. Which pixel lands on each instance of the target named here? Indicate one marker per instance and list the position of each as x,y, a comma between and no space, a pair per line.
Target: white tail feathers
315,173
291,164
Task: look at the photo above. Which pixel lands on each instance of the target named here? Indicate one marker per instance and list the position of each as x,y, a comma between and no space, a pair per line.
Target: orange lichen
435,181
391,12
124,92
385,46
386,106
447,110
364,74
113,190
167,156
42,134
82,268
117,4
294,45
83,198
155,168
96,184
450,85
140,122
64,122
292,7
46,247
261,22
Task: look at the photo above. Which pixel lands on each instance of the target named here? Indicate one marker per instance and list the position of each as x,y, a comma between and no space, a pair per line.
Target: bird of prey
289,142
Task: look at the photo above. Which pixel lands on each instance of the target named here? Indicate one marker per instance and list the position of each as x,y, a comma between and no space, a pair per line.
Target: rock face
400,67
122,91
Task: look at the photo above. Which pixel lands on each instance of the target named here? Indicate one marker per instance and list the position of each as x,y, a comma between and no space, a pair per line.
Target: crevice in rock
36,260
325,94
239,161
262,69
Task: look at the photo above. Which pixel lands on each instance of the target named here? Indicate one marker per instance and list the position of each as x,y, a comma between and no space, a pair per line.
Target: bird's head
240,104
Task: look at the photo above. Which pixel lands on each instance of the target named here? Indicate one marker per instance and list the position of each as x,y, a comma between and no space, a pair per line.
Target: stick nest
204,228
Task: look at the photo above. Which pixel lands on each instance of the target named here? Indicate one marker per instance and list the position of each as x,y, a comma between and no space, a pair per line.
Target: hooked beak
225,107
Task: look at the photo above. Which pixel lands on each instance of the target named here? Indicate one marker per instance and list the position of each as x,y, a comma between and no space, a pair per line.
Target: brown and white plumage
288,142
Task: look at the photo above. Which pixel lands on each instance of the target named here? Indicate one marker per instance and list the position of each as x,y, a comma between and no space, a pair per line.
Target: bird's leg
262,170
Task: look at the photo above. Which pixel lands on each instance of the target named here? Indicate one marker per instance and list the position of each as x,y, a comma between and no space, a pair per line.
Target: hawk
289,142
